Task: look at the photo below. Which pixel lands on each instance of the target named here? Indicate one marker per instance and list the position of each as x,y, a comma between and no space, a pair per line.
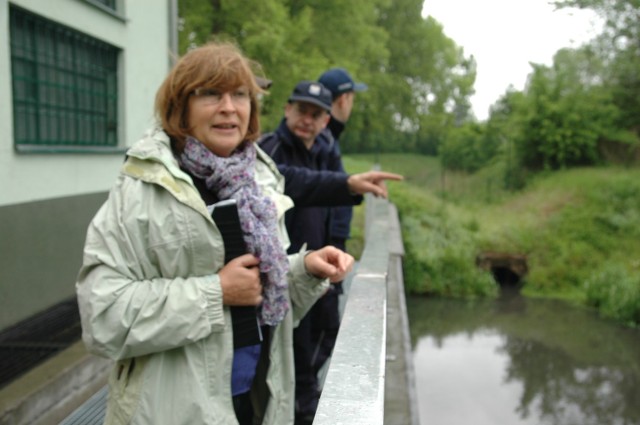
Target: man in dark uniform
303,157
294,144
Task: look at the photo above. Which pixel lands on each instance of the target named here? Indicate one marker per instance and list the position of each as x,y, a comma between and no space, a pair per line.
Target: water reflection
522,361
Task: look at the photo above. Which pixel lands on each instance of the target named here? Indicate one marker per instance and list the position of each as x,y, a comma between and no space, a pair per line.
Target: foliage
575,227
439,253
582,110
619,46
566,119
419,80
468,148
583,221
355,245
560,120
615,292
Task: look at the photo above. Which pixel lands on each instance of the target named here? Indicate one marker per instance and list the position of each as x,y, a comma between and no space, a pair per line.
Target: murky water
520,361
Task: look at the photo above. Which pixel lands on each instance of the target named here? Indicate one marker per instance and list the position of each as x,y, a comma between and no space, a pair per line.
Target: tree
569,111
619,47
463,148
419,80
430,80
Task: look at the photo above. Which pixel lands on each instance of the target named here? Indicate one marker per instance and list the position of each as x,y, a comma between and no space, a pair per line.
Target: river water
518,360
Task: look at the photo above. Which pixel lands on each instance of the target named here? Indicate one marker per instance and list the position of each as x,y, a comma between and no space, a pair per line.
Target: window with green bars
65,87
111,4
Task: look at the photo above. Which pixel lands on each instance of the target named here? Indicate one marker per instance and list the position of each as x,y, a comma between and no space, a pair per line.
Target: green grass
579,228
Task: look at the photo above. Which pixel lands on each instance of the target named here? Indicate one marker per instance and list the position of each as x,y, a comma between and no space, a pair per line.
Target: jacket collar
155,146
286,135
151,159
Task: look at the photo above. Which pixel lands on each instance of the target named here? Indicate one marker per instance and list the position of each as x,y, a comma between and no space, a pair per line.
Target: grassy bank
579,228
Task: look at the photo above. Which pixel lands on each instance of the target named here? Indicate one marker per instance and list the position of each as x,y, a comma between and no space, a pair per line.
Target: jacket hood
155,146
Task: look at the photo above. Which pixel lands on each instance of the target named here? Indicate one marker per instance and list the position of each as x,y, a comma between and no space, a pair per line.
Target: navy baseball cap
338,81
312,92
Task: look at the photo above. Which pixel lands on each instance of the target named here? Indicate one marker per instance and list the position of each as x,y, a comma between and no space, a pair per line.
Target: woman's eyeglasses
238,96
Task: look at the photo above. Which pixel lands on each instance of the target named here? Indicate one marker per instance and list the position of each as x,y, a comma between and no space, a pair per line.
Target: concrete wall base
51,391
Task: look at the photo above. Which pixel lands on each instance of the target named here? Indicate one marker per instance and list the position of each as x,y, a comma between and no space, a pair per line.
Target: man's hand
240,281
329,262
371,182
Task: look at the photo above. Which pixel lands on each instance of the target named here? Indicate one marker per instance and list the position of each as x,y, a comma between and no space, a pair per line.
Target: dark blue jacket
340,226
310,183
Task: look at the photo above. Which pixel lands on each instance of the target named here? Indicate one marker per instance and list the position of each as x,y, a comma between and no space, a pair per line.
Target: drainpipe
173,32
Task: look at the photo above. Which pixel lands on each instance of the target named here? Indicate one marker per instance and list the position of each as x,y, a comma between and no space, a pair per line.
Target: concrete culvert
508,269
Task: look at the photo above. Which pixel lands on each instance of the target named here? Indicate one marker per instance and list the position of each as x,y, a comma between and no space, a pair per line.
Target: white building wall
143,33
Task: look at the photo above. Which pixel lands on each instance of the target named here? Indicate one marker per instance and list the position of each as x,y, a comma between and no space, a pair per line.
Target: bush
573,225
615,292
440,256
467,148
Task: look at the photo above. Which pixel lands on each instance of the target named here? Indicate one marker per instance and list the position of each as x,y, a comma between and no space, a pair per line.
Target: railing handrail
354,388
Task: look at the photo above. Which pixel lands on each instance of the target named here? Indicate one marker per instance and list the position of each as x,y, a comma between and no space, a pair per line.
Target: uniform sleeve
340,222
313,188
306,187
128,305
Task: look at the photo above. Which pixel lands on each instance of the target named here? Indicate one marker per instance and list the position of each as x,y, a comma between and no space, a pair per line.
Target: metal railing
354,388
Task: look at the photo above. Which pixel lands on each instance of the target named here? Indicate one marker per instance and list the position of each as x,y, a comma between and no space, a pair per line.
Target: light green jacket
150,298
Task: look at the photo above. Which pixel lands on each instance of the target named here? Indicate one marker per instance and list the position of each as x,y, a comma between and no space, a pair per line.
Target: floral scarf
233,177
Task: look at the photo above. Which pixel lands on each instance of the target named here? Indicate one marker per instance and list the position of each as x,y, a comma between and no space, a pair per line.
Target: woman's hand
240,281
329,262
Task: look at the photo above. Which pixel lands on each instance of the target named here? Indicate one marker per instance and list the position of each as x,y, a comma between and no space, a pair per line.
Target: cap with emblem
312,92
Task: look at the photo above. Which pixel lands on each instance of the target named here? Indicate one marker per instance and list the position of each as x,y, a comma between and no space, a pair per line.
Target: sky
505,35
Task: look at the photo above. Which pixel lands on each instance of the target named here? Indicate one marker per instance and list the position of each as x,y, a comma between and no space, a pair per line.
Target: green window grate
111,4
65,87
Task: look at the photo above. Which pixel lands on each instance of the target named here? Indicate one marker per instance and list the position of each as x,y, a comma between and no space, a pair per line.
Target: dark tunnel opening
505,277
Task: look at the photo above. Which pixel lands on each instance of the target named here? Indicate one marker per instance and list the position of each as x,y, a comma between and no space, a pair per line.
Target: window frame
116,11
65,88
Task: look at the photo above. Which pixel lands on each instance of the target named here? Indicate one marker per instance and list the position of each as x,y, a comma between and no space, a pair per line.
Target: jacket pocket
125,383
